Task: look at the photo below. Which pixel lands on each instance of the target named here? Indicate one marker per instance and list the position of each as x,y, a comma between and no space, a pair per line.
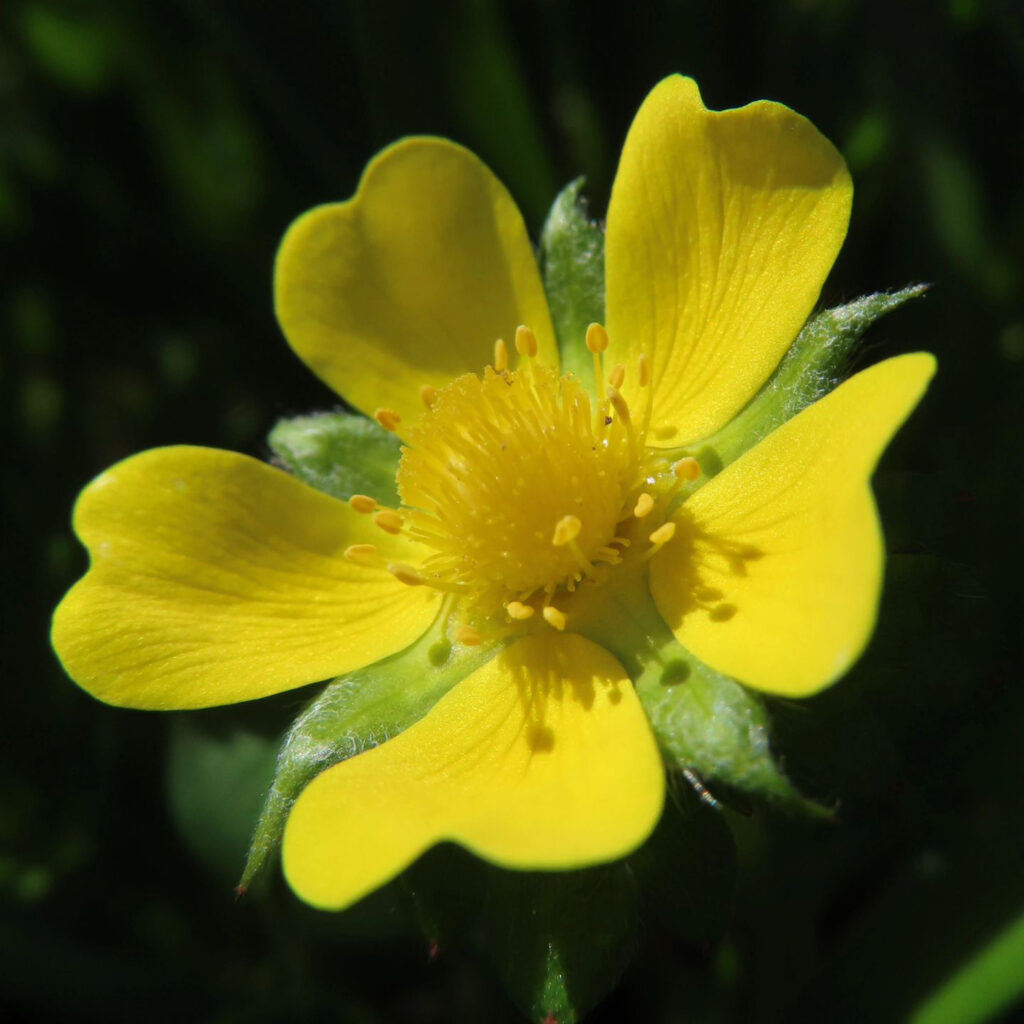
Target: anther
663,534
362,554
406,574
519,611
553,617
619,404
687,469
500,355
597,338
643,506
388,520
428,395
526,341
362,503
617,376
597,342
567,529
387,418
467,636
643,370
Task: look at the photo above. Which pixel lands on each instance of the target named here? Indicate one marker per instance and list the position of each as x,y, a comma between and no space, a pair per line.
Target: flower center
520,486
516,484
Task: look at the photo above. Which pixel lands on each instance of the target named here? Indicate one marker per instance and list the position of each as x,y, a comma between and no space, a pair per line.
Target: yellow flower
539,514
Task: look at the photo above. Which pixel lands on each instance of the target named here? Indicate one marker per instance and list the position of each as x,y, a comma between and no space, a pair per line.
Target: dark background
151,155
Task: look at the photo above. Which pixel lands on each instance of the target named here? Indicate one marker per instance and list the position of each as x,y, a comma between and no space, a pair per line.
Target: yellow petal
721,230
542,758
216,578
774,573
411,281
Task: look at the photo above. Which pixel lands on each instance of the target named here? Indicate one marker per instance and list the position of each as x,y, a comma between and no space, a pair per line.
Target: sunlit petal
412,281
721,230
774,573
541,759
216,578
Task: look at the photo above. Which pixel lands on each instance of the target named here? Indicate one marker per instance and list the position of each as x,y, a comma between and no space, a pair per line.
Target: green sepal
352,714
816,362
572,266
705,722
711,725
340,454
559,941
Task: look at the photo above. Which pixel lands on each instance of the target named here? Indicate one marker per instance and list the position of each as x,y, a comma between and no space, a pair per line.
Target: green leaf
988,984
817,361
572,264
80,51
216,780
355,713
687,869
340,454
485,73
559,941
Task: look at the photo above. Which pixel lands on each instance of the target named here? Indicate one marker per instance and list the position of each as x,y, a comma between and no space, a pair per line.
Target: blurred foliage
151,156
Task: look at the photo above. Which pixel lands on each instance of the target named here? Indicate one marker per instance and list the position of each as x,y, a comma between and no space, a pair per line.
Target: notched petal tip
215,578
722,228
542,759
776,571
408,283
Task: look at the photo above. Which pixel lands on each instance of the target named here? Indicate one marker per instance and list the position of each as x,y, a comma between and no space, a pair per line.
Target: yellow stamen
687,469
597,338
581,560
406,574
643,506
617,376
526,341
519,611
428,395
362,554
553,617
468,636
566,530
388,520
643,370
619,404
663,534
500,355
363,504
387,418
597,342
526,439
